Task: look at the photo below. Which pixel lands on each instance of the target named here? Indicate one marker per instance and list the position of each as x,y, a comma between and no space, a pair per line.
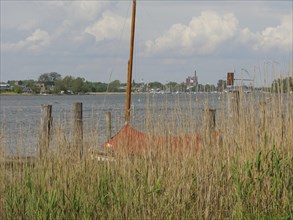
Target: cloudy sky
173,38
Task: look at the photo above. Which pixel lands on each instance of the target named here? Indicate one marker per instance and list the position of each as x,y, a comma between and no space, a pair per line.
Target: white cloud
73,32
87,9
210,31
79,10
202,35
248,39
109,27
271,38
279,37
39,39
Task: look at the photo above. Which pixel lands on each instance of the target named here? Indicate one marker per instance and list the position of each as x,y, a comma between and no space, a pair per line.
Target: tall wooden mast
130,64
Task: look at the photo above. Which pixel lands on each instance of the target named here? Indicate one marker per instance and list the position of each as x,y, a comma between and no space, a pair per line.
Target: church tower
195,79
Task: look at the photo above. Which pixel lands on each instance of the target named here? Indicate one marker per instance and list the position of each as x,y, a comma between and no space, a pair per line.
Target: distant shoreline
93,93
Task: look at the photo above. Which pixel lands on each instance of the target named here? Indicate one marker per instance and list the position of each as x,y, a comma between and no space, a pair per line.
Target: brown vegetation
241,170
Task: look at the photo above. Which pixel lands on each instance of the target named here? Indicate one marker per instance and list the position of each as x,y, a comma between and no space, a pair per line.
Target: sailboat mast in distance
130,64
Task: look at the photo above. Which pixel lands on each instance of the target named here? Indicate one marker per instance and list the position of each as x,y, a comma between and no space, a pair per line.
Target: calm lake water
20,115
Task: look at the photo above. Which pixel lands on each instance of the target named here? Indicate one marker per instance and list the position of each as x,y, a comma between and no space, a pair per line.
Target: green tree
200,88
155,85
67,82
77,85
33,87
59,87
283,85
64,85
221,85
114,86
87,87
100,87
172,86
17,89
49,78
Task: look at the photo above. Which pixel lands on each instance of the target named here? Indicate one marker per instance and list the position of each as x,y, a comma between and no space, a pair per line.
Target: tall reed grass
241,170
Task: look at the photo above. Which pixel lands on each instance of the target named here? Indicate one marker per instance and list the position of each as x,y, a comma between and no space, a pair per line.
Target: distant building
42,87
4,86
27,90
230,79
18,83
192,81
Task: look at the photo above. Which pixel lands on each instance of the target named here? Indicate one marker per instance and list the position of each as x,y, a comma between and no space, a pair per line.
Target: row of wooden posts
46,129
47,120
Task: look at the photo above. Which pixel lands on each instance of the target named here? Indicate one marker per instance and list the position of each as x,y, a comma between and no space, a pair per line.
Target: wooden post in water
78,130
233,102
209,124
212,119
236,104
108,125
46,124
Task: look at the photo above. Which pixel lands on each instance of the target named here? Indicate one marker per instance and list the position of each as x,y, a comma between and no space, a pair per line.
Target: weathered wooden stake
233,103
108,125
46,124
212,119
78,129
236,103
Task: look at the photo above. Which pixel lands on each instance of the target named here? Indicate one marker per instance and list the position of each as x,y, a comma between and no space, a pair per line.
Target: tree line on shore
54,83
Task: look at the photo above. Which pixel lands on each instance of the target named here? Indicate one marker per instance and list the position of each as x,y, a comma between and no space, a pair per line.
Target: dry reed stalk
243,170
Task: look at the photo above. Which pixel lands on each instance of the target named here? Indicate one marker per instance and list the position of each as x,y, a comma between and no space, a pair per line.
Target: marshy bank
242,167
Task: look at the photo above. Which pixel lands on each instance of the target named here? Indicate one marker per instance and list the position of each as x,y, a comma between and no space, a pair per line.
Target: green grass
146,187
